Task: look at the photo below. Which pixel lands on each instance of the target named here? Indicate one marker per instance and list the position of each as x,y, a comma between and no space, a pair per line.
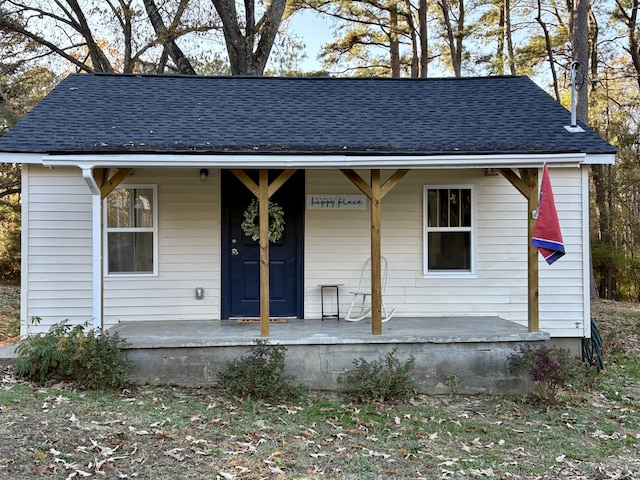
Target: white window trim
472,273
106,230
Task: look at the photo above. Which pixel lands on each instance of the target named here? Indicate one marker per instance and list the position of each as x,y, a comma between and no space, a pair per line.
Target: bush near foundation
386,379
260,375
551,369
74,354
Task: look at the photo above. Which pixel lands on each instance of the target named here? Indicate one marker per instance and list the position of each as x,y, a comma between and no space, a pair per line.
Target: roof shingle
110,113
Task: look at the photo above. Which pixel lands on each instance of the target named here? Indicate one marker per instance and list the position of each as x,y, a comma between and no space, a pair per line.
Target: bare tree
166,36
549,47
249,50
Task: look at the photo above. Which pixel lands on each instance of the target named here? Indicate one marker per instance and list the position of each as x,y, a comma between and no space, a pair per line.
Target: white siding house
57,250
188,242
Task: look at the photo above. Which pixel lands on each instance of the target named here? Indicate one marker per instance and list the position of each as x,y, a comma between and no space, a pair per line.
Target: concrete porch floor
474,349
210,333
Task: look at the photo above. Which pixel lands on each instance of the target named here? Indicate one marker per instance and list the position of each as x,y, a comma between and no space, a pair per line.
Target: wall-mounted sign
336,202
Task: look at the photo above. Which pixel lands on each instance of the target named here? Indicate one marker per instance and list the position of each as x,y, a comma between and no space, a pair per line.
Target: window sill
130,275
451,274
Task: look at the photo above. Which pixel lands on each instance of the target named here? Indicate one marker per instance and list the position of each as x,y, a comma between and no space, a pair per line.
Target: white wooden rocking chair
361,303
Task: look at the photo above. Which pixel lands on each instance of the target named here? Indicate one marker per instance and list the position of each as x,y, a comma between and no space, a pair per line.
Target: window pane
130,207
130,252
449,251
454,207
118,208
465,195
143,208
432,203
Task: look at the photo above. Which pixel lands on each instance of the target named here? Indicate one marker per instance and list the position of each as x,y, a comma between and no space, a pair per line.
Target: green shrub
551,369
10,238
260,375
75,354
386,378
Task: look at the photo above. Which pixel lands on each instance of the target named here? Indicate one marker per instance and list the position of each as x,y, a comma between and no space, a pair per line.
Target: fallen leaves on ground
167,433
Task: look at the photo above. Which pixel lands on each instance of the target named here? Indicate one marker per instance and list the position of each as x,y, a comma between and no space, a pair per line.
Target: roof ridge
296,78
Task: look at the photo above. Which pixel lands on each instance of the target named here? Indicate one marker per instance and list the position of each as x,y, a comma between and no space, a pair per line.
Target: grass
57,432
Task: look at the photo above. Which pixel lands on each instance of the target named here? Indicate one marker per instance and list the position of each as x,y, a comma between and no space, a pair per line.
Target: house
135,187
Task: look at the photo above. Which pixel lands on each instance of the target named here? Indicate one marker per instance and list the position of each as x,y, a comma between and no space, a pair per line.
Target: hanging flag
546,234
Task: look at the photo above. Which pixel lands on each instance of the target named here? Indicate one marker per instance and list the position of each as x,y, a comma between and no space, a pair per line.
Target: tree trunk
166,39
602,185
413,35
454,38
394,42
511,58
243,59
580,40
547,40
125,18
424,50
99,60
500,43
632,23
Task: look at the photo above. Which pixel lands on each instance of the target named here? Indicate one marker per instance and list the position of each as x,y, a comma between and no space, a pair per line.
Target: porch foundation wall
481,367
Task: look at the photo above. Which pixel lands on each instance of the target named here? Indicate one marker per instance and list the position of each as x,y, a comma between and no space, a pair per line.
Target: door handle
234,252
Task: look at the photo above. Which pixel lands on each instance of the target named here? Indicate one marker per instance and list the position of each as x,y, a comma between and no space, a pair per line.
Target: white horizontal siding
338,242
58,280
56,264
189,253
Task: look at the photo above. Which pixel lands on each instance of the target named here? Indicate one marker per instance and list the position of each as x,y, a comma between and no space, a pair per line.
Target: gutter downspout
97,287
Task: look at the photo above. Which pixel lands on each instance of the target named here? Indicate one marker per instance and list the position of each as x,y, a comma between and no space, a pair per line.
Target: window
131,236
448,230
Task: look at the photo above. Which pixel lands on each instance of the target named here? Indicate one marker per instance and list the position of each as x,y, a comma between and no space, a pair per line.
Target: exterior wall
58,250
189,253
338,243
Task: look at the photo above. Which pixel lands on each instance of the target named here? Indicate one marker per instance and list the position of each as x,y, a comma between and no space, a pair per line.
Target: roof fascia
324,161
600,159
23,158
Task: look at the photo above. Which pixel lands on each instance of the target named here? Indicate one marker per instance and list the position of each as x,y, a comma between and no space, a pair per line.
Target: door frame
225,245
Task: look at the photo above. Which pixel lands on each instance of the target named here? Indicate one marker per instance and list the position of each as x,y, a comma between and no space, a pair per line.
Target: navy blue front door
241,254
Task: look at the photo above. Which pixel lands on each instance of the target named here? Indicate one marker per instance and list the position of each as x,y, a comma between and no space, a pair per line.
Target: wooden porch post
375,191
263,199
376,269
531,177
527,185
263,192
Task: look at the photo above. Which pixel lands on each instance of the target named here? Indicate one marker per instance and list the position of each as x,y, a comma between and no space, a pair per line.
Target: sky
315,32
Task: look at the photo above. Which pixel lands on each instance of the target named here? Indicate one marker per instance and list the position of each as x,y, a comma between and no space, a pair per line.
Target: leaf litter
168,433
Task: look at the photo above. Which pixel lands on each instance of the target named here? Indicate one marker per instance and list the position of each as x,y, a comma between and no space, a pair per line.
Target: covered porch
473,350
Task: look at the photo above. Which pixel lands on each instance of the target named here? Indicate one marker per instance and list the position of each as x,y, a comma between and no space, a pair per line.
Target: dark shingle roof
104,113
